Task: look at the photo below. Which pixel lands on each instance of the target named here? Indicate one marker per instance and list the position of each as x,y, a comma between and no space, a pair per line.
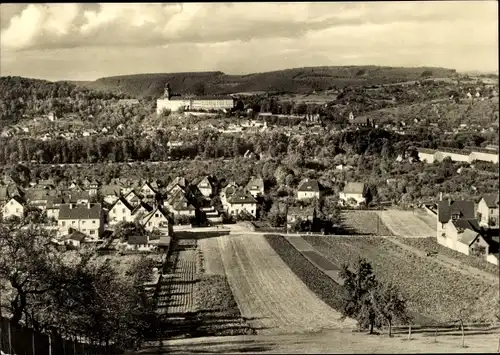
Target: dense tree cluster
71,293
22,97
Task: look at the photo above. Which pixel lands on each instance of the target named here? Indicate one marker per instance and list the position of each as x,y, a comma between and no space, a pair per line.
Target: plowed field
268,293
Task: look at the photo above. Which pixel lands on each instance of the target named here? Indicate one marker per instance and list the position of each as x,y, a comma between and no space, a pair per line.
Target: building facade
174,103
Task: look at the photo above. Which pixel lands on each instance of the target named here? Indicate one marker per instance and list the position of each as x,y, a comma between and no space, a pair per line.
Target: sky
89,41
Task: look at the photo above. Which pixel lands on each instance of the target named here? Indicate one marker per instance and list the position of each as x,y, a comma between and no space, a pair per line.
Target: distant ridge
296,80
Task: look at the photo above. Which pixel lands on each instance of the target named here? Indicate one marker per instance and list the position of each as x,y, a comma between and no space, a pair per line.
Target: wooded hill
298,80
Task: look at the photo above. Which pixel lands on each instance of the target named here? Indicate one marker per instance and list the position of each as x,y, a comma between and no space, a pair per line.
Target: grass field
268,293
364,222
407,223
334,341
436,293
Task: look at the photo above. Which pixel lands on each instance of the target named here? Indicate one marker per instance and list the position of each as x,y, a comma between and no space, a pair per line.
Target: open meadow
408,223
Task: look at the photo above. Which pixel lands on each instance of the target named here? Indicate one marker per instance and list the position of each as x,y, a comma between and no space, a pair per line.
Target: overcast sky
88,41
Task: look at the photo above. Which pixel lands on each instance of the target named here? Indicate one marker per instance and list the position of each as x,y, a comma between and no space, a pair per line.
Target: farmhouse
15,207
487,211
174,103
256,186
86,219
308,189
353,194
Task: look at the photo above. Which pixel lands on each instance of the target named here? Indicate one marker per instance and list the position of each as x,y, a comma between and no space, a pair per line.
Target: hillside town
169,186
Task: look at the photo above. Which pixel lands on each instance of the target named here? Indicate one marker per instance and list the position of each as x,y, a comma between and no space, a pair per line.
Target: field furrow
182,288
268,292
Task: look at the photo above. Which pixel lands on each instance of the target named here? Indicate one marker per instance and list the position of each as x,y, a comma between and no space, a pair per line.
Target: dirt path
338,341
406,224
448,262
268,292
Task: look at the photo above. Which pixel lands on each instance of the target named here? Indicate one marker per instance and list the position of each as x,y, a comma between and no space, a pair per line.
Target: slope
289,80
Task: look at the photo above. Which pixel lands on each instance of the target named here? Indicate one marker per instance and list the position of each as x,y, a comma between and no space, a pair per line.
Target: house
487,211
87,219
226,192
75,239
241,201
110,193
93,187
14,207
147,190
141,209
180,205
120,211
177,181
308,189
205,186
139,243
133,198
46,184
300,213
158,219
256,186
454,217
39,197
353,194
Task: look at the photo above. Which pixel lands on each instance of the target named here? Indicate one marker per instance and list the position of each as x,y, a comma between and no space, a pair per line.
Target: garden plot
268,293
406,224
182,283
216,305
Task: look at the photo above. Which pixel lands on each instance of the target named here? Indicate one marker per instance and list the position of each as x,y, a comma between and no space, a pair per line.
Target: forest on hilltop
297,80
24,97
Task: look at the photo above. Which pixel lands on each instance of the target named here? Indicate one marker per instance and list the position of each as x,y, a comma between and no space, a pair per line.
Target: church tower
166,94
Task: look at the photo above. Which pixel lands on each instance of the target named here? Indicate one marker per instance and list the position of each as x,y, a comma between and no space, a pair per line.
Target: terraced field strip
315,258
212,261
406,224
182,283
268,293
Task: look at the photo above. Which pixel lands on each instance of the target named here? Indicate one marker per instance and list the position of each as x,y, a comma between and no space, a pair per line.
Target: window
443,225
93,222
92,232
11,202
149,223
17,210
123,210
156,215
73,222
83,222
124,218
63,223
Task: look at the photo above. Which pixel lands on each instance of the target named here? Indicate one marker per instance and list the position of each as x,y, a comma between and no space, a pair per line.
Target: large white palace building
174,103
